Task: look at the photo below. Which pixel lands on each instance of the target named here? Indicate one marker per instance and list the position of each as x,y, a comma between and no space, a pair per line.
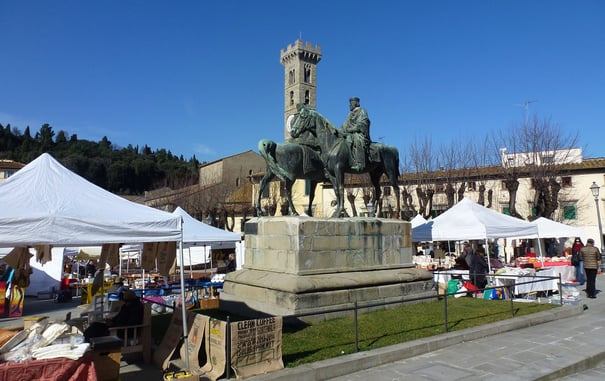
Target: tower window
291,77
291,98
307,97
307,75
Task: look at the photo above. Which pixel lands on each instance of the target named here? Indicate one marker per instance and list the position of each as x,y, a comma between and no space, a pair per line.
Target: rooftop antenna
526,106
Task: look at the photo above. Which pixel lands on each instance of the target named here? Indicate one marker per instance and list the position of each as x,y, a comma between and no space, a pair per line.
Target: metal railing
355,307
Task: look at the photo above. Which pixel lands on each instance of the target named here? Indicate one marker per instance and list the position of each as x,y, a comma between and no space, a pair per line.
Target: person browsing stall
592,259
478,268
131,313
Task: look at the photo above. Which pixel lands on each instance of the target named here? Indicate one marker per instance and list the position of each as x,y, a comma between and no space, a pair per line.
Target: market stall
45,204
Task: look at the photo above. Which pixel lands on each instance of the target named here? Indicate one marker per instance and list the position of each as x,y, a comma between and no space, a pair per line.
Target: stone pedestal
299,265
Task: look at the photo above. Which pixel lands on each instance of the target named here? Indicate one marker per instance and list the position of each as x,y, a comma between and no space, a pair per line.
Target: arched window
307,75
307,98
291,98
291,77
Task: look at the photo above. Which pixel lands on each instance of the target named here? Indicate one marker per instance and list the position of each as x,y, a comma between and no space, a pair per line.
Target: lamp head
594,188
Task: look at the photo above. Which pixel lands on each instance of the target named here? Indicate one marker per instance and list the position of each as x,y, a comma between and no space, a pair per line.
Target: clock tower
300,67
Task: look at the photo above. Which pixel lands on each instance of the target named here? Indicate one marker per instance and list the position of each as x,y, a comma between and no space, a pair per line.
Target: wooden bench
137,338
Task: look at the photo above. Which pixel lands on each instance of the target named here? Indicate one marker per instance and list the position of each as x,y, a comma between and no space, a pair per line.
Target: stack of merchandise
43,340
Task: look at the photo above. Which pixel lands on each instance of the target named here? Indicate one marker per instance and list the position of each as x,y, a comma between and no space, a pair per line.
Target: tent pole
540,249
489,263
190,265
183,306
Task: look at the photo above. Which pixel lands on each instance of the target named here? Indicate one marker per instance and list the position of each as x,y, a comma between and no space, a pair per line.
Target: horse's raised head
302,121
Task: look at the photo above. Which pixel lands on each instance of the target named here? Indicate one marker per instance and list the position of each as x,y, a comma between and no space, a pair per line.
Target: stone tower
300,68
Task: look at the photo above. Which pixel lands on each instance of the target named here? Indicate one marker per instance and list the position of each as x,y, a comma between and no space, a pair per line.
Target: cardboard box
107,354
209,303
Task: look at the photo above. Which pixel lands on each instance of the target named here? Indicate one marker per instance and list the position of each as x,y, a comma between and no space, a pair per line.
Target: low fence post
510,295
228,348
356,327
445,296
560,289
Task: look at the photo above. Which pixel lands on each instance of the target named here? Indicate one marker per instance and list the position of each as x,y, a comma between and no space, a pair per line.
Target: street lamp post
594,188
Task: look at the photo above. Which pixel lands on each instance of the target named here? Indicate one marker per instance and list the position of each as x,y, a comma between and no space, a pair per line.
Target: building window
386,191
291,77
291,98
548,159
307,97
439,188
566,182
472,186
569,212
237,182
503,185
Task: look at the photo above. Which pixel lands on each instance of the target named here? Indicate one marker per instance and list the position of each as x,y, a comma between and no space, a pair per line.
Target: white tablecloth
542,285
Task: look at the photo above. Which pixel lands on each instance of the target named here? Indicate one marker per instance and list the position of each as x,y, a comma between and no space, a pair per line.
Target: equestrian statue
349,150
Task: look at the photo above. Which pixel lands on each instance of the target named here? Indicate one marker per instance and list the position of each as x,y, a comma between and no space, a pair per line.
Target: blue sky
203,77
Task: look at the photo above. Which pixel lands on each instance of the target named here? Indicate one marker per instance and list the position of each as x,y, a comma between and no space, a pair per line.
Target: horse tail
396,153
266,147
386,154
268,150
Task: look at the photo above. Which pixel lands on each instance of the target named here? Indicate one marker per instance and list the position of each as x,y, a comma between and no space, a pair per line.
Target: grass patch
332,338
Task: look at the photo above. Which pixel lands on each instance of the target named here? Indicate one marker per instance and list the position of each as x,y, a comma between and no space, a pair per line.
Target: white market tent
552,229
197,233
417,221
468,220
199,238
44,203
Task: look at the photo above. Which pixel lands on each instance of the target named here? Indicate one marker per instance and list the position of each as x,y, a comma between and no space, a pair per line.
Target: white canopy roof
45,203
196,233
417,221
469,220
553,229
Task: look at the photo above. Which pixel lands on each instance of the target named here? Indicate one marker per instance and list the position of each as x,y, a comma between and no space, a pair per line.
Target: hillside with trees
126,171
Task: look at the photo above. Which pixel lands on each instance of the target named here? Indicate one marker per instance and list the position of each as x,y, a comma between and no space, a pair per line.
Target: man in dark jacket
592,259
478,268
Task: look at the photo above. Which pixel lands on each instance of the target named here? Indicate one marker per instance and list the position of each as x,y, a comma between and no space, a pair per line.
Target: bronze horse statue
289,162
337,159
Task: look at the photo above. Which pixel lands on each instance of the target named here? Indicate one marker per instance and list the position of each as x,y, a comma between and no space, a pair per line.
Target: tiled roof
10,164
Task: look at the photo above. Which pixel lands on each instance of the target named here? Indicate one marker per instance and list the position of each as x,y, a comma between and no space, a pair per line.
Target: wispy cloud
204,150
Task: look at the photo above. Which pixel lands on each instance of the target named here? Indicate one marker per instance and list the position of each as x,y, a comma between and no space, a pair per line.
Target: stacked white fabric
61,350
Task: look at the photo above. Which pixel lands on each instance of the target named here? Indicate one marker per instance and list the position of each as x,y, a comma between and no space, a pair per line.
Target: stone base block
255,293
